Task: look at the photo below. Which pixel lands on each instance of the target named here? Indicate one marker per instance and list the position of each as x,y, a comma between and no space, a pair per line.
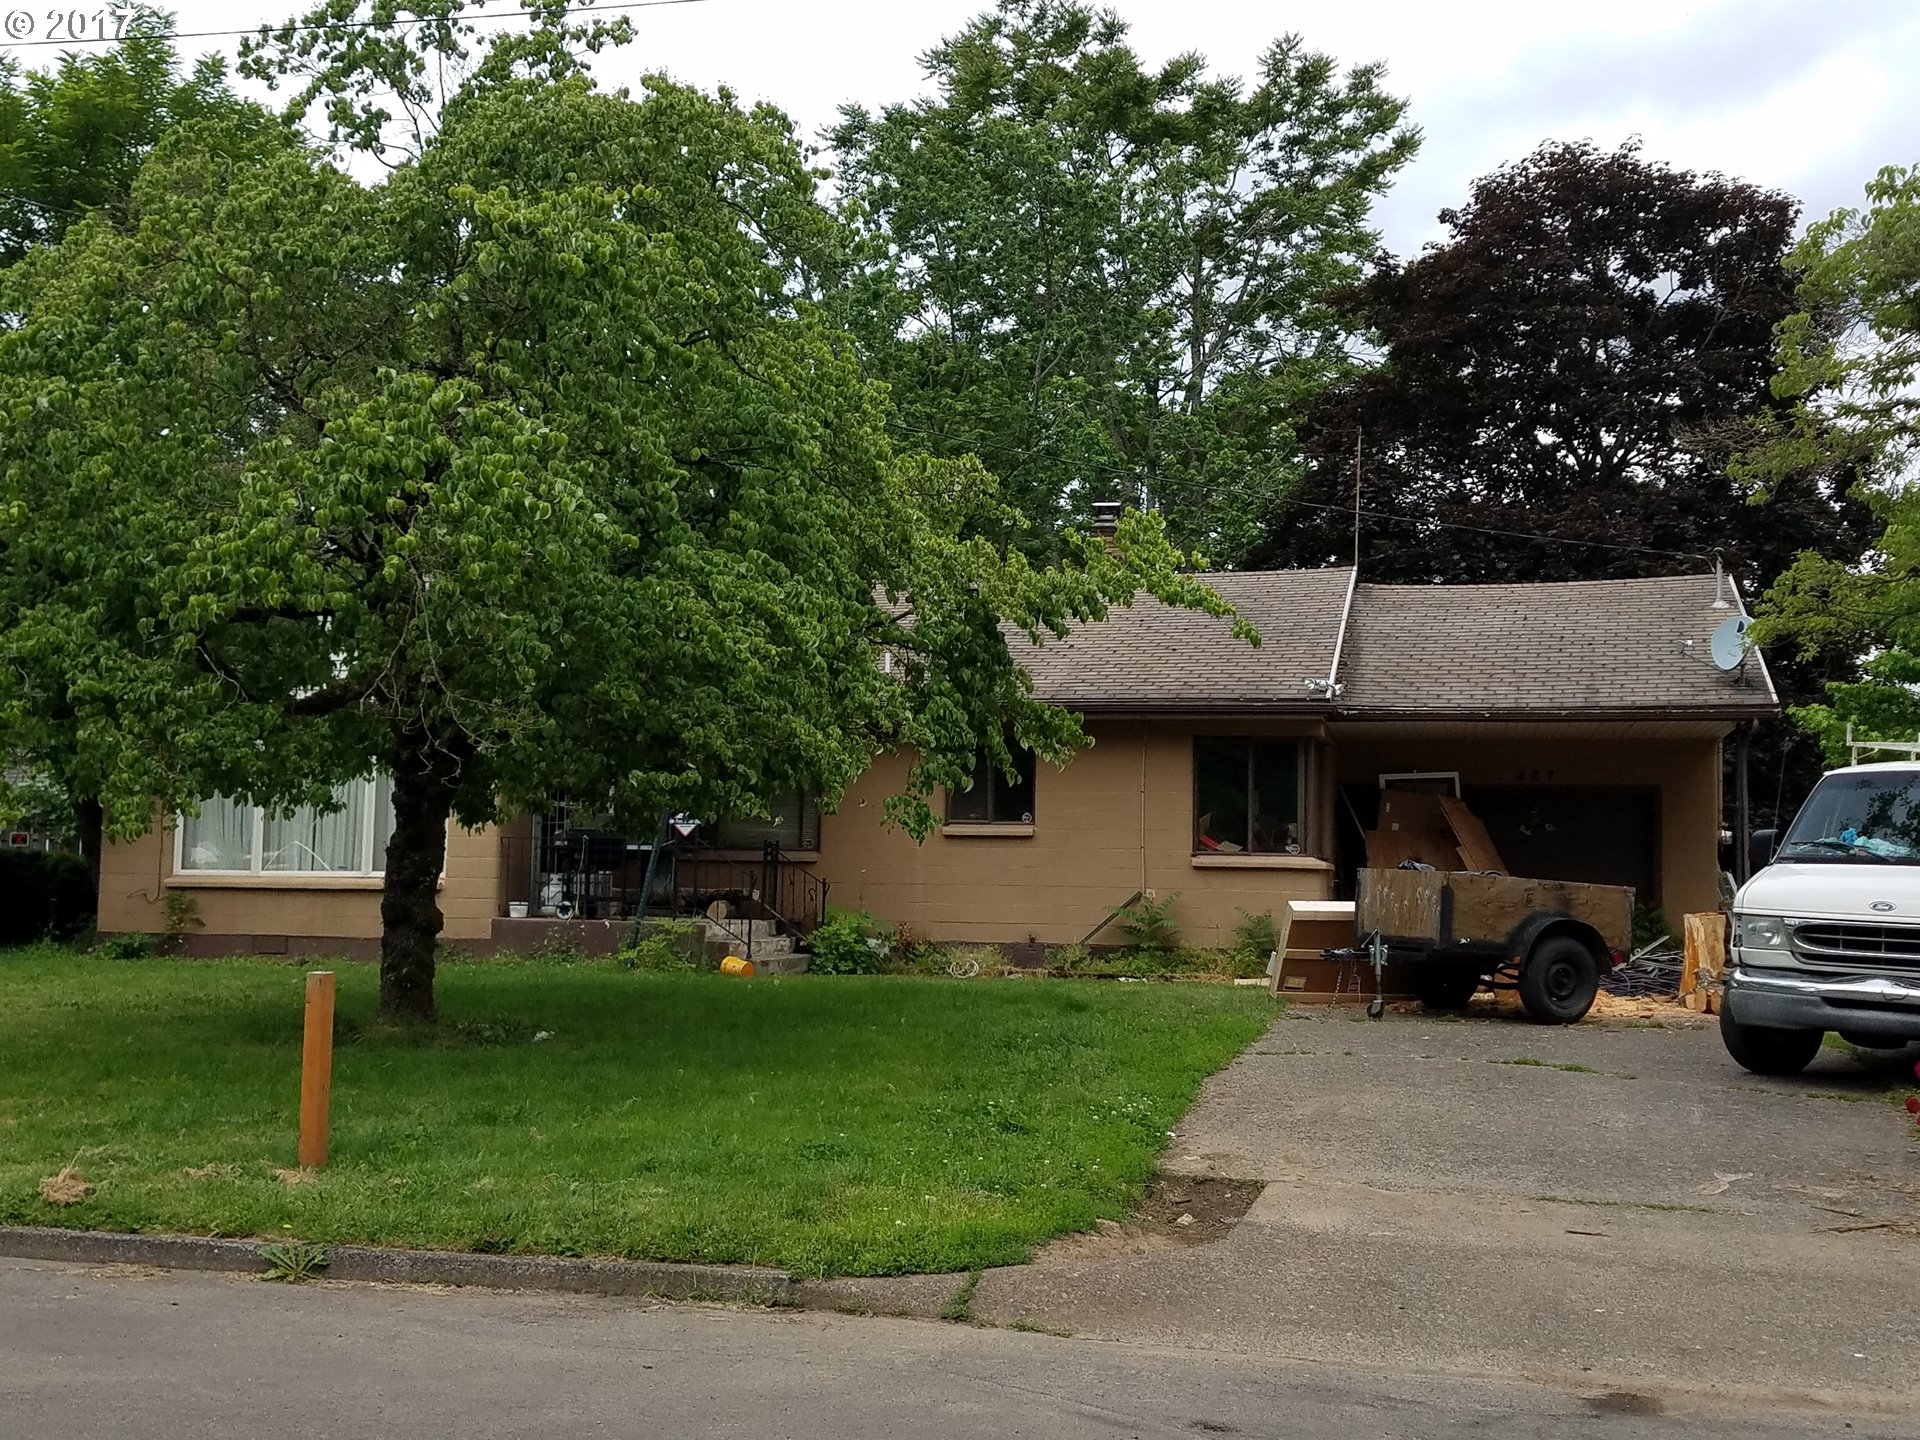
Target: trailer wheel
1444,984
1559,980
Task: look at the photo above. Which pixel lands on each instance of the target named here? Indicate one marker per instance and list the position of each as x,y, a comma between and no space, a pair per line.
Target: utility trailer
1454,931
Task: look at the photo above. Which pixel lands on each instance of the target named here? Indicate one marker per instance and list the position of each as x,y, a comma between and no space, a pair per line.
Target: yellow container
734,965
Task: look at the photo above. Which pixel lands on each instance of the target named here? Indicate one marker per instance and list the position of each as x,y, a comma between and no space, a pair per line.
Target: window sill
1259,862
985,830
272,880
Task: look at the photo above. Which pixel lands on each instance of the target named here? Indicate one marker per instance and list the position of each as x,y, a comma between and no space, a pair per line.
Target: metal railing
600,877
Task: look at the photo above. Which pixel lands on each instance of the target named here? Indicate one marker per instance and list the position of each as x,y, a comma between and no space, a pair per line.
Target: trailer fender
1545,924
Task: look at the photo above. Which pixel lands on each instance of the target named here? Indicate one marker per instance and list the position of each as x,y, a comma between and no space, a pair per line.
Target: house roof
1150,656
1586,649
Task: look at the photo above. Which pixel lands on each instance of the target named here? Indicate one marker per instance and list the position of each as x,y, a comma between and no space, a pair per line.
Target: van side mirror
1761,845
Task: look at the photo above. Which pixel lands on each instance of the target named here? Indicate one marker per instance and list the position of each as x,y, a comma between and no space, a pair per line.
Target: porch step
773,954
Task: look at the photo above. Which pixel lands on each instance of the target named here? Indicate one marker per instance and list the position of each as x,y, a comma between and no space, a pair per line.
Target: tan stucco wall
1687,772
134,875
1116,820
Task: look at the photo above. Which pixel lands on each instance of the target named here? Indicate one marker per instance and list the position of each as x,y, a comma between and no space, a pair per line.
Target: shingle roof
1587,648
1598,647
1151,656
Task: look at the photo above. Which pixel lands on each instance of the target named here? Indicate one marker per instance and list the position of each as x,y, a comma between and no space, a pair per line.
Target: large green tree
1107,279
72,139
1578,361
530,469
1849,363
1563,383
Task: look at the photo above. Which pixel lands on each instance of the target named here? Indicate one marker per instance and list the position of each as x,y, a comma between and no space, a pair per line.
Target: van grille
1828,942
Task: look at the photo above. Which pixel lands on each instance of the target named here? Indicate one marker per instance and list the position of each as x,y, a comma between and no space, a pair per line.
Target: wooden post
316,1070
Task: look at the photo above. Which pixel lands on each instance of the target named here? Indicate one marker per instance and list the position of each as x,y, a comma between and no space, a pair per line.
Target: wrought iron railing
592,876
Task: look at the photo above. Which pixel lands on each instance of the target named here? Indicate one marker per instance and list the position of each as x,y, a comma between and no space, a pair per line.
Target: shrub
1650,926
43,893
130,946
1148,924
846,944
1256,935
664,949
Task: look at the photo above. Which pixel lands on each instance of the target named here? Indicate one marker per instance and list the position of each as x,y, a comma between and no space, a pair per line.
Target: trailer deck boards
1442,907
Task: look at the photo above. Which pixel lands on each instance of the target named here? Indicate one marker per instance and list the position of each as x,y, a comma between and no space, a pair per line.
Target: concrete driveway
1603,1204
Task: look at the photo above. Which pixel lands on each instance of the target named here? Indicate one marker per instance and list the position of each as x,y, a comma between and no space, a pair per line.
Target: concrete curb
739,1284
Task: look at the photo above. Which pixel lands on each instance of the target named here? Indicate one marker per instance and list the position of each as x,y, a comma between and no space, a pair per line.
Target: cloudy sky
1810,98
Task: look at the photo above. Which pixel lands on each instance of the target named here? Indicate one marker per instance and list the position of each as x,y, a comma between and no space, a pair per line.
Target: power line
335,25
1342,509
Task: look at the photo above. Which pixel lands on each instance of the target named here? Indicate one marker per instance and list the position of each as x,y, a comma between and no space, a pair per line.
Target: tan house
1583,723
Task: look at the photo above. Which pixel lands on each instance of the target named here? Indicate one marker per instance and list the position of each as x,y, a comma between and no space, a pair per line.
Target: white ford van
1827,937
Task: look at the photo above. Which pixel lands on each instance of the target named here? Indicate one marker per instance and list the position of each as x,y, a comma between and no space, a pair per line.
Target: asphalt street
91,1354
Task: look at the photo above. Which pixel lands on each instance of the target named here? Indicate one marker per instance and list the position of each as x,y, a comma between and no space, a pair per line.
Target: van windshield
1871,818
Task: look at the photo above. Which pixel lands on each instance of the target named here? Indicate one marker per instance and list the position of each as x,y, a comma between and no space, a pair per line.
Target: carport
1583,723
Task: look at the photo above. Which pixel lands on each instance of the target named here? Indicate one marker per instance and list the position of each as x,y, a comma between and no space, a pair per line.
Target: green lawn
830,1125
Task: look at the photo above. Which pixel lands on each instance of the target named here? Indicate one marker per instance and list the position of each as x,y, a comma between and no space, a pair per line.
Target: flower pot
516,909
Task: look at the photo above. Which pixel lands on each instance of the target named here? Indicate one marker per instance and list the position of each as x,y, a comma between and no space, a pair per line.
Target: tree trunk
89,825
425,777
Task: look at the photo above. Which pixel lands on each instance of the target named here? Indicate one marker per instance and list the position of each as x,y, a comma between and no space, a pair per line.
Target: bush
43,893
130,946
846,944
1148,924
1650,926
1257,935
665,948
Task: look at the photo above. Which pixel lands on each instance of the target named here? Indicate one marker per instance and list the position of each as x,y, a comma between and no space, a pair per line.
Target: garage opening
1601,834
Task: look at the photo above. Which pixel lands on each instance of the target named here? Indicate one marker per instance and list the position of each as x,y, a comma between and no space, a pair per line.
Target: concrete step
772,954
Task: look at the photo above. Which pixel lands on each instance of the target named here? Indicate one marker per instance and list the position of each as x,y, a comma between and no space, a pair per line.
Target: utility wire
1341,509
336,25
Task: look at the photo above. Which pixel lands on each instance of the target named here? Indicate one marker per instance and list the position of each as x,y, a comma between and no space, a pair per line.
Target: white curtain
220,837
310,839
382,819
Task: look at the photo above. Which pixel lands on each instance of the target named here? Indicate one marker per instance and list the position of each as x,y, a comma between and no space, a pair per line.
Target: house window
990,797
229,837
794,823
1248,796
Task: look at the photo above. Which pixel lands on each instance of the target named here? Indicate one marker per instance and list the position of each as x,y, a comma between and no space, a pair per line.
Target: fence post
316,1070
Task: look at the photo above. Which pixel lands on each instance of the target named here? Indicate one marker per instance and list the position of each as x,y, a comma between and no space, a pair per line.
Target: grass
828,1125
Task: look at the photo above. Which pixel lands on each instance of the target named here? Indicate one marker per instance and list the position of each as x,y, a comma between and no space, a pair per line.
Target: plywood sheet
1388,849
1399,903
1407,904
1477,850
1487,907
1410,810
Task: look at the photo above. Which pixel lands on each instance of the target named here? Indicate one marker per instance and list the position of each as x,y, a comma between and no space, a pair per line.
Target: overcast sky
1808,97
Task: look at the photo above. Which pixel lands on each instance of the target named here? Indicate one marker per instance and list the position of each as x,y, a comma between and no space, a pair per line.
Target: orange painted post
316,1070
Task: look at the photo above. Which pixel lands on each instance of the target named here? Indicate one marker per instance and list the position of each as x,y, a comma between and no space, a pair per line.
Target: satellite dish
1729,646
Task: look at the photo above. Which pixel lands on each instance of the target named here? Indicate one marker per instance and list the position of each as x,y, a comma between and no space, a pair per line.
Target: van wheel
1444,985
1766,1051
1559,981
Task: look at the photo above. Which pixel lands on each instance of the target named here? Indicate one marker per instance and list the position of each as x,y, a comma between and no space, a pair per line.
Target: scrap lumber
1477,850
1388,849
